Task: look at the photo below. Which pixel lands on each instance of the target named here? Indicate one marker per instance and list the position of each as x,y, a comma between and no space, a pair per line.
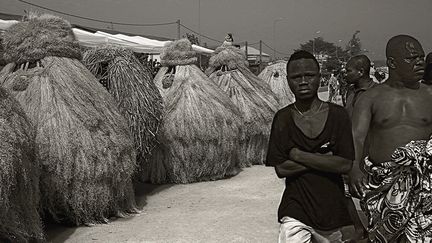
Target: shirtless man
357,75
391,114
310,146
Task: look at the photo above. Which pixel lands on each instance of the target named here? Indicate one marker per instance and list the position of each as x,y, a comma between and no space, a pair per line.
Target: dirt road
240,209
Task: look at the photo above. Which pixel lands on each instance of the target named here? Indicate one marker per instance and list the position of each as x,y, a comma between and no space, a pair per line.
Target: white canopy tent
135,43
4,24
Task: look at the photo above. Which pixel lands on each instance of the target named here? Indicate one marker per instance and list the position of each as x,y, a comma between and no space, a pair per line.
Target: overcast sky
252,20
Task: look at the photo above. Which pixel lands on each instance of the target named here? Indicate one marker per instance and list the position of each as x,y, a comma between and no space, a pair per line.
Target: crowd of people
375,149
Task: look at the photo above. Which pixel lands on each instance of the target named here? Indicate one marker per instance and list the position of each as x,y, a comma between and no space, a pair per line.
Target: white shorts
294,231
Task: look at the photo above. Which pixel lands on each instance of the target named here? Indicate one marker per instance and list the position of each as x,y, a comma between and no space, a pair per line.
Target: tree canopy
328,54
331,56
354,46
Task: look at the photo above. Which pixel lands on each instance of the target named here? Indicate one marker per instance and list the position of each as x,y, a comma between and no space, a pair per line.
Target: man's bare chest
311,126
408,110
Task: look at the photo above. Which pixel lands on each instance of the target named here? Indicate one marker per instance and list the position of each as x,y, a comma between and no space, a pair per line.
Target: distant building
253,56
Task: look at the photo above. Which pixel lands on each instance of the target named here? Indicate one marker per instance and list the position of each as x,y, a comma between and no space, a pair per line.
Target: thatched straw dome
276,77
19,175
131,84
251,95
83,142
39,37
201,126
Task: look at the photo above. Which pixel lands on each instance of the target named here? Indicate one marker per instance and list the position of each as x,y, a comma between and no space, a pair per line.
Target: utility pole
260,56
178,29
274,35
199,29
313,46
337,56
313,42
199,21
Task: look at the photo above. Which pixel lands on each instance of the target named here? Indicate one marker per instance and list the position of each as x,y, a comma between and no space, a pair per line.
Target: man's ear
391,62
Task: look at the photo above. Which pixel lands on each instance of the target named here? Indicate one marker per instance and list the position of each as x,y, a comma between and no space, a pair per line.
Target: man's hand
294,153
357,182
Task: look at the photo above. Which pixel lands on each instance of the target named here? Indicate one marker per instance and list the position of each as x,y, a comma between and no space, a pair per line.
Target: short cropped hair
302,54
395,43
361,61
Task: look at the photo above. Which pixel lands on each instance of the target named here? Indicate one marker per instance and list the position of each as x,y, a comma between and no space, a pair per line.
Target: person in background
357,76
427,78
333,89
343,86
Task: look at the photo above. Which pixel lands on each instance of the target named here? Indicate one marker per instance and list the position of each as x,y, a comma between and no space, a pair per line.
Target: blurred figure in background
358,78
333,89
427,78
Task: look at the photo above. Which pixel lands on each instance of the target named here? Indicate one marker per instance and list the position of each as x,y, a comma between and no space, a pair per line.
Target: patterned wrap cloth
398,198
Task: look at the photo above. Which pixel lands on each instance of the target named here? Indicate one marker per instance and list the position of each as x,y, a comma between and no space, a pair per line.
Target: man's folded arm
322,162
289,168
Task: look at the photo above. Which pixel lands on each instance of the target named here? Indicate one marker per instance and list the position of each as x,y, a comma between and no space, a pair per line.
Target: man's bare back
399,115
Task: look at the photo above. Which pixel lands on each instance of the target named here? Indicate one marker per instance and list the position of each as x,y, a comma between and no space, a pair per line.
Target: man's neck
308,104
396,81
363,83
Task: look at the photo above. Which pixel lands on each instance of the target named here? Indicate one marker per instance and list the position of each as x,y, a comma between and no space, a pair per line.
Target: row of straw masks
275,75
131,85
201,127
19,175
83,142
254,98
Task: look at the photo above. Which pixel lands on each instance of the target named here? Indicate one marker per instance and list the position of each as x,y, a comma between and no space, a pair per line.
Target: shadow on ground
143,190
56,233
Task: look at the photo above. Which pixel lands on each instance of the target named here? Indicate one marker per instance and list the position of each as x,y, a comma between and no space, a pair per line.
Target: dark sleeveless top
313,197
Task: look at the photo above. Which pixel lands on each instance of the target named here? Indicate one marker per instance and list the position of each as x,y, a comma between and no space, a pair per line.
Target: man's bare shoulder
384,92
427,88
378,89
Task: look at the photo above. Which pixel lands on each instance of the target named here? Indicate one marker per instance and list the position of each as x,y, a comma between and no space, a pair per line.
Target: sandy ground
240,209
